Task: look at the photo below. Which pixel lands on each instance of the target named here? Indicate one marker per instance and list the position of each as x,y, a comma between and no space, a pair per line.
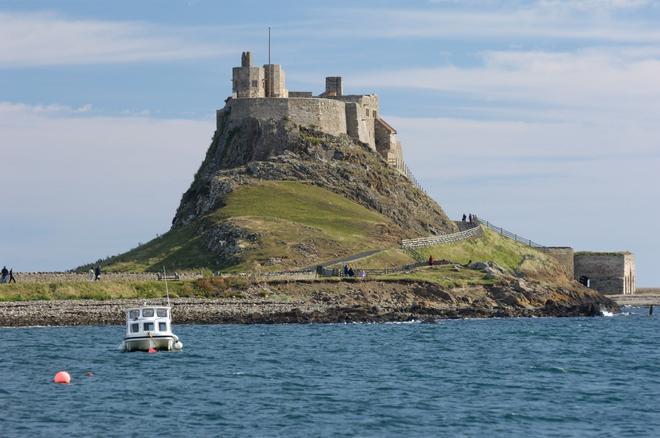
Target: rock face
250,150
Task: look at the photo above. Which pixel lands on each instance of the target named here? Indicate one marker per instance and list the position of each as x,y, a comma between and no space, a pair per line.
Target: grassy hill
293,224
288,225
513,257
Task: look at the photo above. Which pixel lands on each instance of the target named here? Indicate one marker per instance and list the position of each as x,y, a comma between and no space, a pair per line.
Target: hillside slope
265,225
273,195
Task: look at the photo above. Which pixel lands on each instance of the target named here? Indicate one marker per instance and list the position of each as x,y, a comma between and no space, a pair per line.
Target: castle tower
248,81
275,81
333,86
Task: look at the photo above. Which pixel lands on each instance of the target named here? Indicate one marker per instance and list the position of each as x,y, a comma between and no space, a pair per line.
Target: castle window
254,83
367,112
374,113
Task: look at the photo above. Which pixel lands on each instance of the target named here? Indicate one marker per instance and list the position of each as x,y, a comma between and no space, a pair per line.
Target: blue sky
540,116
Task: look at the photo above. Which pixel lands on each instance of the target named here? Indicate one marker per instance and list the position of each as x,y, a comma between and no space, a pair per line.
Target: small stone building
610,273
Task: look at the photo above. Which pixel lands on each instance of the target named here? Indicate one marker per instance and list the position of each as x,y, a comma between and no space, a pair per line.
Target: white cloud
73,183
37,39
591,5
588,84
588,20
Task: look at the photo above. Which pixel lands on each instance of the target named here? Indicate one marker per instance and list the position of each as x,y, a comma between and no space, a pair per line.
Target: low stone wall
442,239
51,277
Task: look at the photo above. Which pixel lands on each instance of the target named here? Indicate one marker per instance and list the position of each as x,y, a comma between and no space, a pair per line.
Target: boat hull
160,343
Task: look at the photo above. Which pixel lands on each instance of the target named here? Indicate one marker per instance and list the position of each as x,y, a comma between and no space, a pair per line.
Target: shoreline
223,311
239,301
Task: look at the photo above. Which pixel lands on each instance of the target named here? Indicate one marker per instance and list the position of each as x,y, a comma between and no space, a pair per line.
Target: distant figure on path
11,276
97,273
90,274
351,273
470,217
5,273
464,218
430,260
345,270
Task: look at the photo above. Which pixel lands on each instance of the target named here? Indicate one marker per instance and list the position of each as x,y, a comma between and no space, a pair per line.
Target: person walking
4,273
464,218
430,260
470,216
11,276
97,273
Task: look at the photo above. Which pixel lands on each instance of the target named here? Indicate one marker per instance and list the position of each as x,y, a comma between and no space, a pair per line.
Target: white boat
149,328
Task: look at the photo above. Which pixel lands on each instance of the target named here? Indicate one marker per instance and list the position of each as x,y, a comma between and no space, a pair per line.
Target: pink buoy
62,377
151,350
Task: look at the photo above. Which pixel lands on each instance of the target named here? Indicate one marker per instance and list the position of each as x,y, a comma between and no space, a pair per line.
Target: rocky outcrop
331,301
253,150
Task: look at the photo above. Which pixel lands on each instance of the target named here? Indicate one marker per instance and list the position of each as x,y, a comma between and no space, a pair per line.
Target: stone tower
333,86
275,82
248,81
266,81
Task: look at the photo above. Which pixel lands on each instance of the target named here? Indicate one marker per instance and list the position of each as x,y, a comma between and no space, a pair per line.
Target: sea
480,377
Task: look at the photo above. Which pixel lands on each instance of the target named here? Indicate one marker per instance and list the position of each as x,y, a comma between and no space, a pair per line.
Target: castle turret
275,81
333,86
248,81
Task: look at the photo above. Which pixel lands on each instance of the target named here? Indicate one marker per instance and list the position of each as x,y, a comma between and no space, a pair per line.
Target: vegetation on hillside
296,224
513,257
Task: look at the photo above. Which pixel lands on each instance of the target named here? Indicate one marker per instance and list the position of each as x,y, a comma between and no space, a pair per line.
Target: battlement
261,93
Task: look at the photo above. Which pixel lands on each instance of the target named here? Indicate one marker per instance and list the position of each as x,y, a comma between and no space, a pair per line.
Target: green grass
182,248
444,276
508,254
111,290
304,204
298,225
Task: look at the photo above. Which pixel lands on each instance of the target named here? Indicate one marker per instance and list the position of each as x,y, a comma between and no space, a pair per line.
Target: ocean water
495,377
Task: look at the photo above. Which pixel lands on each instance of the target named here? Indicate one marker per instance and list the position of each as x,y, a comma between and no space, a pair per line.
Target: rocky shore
328,302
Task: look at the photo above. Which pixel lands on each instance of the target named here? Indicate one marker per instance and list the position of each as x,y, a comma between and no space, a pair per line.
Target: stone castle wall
565,255
361,113
326,115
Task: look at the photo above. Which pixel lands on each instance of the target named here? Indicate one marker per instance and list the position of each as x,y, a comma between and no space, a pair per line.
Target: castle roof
386,125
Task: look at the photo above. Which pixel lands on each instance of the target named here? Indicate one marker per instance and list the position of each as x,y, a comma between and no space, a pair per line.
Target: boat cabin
148,321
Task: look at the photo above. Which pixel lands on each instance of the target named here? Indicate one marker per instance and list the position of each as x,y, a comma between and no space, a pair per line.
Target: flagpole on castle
269,45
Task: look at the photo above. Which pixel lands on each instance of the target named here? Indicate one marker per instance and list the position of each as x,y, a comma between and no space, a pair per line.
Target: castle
261,93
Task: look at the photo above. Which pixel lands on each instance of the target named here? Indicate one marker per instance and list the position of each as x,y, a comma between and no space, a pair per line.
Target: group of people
94,274
471,218
349,272
7,276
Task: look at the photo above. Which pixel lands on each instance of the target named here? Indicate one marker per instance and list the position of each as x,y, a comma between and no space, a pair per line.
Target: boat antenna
167,290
